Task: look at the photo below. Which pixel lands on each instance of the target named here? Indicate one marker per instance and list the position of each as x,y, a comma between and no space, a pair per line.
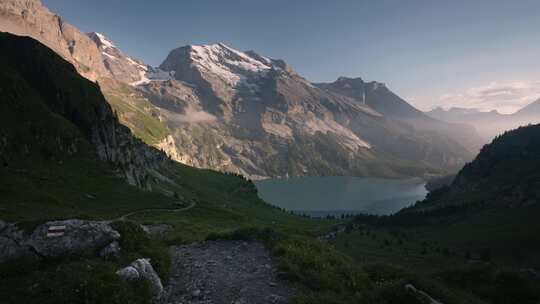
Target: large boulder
141,269
79,236
129,273
55,238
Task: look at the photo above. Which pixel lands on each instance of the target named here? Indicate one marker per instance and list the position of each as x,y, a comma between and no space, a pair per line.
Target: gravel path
224,272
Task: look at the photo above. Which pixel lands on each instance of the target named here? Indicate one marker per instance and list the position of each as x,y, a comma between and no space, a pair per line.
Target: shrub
67,281
136,244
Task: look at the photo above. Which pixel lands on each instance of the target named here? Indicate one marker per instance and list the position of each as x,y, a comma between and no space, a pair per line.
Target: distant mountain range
490,124
216,107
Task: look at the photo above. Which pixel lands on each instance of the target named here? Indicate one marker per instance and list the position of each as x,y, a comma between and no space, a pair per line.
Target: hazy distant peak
531,109
461,111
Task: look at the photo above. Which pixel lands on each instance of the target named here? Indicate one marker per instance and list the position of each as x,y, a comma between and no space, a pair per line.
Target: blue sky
475,53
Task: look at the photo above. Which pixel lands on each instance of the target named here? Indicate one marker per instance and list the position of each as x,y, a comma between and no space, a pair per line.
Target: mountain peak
219,60
349,79
357,83
531,109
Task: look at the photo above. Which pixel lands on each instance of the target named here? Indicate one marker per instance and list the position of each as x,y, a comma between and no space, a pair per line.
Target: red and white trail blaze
55,231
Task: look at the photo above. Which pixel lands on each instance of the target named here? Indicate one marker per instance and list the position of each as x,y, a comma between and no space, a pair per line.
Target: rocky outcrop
141,269
115,143
55,238
121,67
80,102
79,236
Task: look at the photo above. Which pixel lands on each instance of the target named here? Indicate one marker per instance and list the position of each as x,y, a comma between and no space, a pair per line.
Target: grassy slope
135,112
511,236
479,258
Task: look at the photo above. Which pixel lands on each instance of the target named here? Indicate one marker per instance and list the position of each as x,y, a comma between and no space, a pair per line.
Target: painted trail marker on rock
56,231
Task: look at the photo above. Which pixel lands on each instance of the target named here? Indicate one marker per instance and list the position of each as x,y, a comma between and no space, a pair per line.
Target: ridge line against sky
456,53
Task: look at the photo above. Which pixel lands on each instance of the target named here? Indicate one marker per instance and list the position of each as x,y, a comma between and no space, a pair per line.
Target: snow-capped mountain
261,102
233,67
217,107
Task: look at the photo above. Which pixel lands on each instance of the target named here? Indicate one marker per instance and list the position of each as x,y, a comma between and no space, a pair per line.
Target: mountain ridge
505,173
490,123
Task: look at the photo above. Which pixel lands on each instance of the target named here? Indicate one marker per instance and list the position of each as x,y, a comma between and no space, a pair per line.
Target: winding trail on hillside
125,216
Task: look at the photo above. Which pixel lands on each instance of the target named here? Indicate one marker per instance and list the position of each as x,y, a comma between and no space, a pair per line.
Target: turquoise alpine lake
336,195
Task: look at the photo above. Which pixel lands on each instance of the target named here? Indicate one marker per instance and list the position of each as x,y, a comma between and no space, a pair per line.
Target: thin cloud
503,97
191,116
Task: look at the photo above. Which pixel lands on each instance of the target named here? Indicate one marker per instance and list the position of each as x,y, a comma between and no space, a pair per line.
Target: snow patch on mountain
231,65
105,43
109,55
148,74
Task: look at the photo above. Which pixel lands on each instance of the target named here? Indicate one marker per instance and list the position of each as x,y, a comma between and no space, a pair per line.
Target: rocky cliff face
63,110
31,18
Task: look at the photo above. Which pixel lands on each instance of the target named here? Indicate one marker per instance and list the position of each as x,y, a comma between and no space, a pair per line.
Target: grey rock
196,293
80,236
110,251
147,272
129,273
